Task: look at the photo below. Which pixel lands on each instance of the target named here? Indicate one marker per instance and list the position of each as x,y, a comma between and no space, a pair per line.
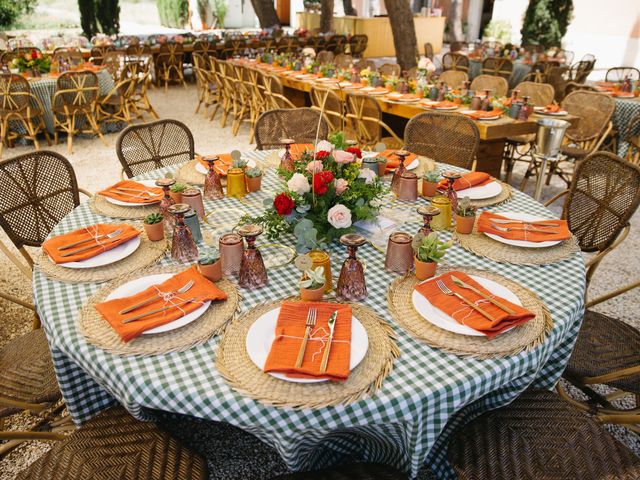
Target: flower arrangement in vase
465,216
429,250
33,61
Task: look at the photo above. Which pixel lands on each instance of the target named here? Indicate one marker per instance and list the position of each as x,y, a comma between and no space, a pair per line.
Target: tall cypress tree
545,22
105,13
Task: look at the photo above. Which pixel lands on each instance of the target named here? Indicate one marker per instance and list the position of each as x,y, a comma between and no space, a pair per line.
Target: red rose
319,185
356,151
327,176
322,154
283,204
34,54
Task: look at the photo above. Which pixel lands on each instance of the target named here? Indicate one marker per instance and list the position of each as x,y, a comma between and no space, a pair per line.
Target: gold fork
444,289
311,322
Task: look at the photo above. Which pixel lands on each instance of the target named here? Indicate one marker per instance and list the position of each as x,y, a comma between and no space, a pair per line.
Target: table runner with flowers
398,425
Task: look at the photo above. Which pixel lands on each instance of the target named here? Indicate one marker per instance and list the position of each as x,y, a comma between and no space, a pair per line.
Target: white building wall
240,15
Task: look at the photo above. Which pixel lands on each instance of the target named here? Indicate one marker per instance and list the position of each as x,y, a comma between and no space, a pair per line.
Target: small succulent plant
433,176
465,209
208,258
313,278
239,163
253,172
179,187
429,248
381,159
153,218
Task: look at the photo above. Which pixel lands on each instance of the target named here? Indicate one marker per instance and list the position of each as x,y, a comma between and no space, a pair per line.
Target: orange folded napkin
290,331
478,114
622,94
123,191
376,90
222,166
202,290
297,149
444,104
100,245
393,161
552,108
560,229
464,314
468,180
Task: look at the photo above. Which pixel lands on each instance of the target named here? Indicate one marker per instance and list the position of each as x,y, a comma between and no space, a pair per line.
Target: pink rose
342,157
340,185
339,216
315,166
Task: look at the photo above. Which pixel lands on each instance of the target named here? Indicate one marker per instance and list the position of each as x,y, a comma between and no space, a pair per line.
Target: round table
427,394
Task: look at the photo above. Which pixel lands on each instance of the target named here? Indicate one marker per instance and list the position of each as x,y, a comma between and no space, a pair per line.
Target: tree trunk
455,17
348,8
108,15
88,18
266,13
404,32
326,16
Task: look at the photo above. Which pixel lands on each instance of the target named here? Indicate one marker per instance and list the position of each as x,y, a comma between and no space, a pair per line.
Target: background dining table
405,423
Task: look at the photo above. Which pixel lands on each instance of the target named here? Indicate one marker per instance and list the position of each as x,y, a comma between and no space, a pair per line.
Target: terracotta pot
425,270
254,183
382,168
315,295
177,196
154,231
213,271
464,224
429,189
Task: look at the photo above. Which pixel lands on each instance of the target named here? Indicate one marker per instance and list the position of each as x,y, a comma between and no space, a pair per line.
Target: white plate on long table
481,192
142,283
106,258
441,320
146,183
200,168
263,331
522,243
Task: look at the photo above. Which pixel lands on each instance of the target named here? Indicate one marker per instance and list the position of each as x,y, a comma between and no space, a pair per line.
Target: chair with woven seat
343,60
365,119
205,48
138,49
113,445
367,63
540,94
539,72
324,57
72,56
327,101
114,61
336,44
389,69
539,436
274,93
453,78
455,61
98,53
140,72
618,74
169,66
19,105
357,45
444,137
353,471
498,85
299,124
498,66
288,44
146,147
579,71
117,105
74,105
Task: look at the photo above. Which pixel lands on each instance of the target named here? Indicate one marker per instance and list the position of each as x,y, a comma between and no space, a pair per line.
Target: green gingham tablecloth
399,425
626,109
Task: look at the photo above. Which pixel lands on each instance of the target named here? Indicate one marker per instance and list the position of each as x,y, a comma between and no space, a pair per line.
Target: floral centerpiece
33,61
323,196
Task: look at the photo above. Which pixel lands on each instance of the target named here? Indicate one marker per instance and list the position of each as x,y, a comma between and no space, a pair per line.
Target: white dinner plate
251,163
263,331
486,119
445,108
408,100
146,183
481,192
522,243
441,320
369,154
142,283
325,80
560,113
394,95
110,256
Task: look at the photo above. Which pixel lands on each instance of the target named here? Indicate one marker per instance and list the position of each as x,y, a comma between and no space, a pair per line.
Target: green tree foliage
546,22
10,10
173,13
99,16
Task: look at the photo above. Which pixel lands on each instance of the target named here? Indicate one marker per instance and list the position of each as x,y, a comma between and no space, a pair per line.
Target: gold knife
325,357
158,310
84,249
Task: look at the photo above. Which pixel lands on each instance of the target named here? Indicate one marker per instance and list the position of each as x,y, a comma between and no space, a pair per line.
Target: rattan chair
455,61
147,147
633,140
303,125
358,45
365,63
455,46
328,102
208,92
138,49
324,57
224,80
114,445
114,61
453,78
205,48
336,44
539,436
117,105
444,137
557,77
499,66
539,72
19,105
71,56
140,72
343,60
540,94
169,64
98,53
389,69
353,471
365,119
74,105
274,93
288,44
498,85
618,74
243,106
428,50
579,71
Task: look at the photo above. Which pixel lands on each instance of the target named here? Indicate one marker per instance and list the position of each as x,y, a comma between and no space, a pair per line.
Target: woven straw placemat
502,197
101,206
187,173
240,372
523,337
484,246
147,253
99,333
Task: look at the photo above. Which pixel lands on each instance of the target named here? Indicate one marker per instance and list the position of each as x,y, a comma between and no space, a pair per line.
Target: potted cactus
176,191
210,266
154,226
430,183
465,216
312,285
254,179
382,166
428,250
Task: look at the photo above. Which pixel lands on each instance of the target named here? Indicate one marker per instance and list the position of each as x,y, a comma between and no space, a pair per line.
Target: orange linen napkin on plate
297,149
443,104
479,114
101,245
464,314
468,180
222,165
123,191
375,90
202,290
290,331
560,230
552,108
393,161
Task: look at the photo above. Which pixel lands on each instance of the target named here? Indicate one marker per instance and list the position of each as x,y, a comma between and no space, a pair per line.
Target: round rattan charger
101,206
521,338
98,332
243,375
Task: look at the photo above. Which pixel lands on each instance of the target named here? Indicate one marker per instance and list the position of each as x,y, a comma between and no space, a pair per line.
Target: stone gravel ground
97,166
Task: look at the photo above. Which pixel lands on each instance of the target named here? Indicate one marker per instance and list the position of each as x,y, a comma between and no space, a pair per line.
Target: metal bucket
550,135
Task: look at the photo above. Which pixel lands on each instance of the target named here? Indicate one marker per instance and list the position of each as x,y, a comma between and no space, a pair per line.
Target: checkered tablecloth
626,109
398,425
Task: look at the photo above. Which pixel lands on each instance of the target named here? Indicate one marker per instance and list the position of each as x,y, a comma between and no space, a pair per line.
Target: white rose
368,175
339,216
324,145
299,184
